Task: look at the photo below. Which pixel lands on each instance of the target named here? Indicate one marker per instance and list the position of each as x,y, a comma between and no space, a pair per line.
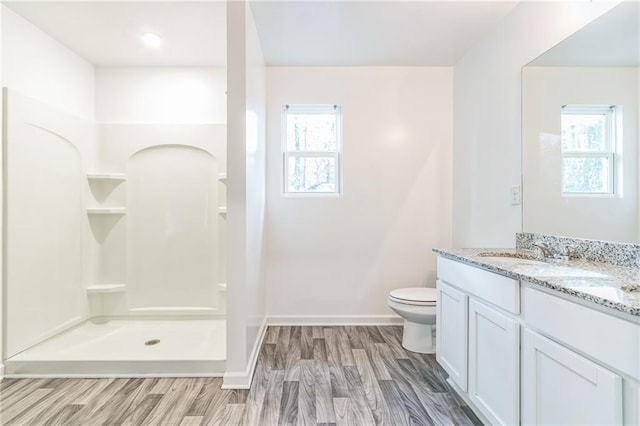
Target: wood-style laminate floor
304,375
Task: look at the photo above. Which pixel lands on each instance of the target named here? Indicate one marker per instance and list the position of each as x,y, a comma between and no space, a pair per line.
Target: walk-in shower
114,223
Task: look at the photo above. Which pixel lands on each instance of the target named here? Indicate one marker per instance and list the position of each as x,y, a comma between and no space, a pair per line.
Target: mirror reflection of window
575,181
588,137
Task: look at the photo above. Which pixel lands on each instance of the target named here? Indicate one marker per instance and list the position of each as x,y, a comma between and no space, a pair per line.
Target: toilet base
418,338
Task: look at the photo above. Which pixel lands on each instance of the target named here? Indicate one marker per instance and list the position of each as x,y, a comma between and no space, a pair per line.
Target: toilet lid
414,295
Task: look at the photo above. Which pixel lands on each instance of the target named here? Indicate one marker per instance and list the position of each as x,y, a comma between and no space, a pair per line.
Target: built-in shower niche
106,211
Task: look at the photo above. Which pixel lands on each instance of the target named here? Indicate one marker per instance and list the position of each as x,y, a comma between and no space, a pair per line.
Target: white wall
545,210
340,256
487,115
166,95
2,207
37,66
245,194
256,182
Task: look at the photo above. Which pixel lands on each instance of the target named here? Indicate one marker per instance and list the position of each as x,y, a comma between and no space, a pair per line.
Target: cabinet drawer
611,340
501,291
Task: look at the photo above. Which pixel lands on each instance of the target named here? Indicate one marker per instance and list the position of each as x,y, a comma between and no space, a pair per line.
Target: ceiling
108,33
385,33
611,40
307,32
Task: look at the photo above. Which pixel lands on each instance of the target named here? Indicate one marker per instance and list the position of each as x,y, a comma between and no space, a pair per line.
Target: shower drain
152,342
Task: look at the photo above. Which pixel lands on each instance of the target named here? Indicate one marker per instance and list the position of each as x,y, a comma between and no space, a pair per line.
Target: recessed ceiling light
152,40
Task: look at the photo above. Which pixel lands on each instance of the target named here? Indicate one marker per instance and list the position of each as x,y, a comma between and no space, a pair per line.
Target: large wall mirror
580,152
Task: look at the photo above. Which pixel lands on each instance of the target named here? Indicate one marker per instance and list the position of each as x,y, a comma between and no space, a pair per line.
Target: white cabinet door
560,387
494,364
451,333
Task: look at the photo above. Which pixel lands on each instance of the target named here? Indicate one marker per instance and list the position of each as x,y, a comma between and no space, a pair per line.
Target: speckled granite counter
596,282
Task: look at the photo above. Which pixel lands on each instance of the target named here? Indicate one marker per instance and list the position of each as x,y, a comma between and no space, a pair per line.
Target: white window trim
609,153
286,154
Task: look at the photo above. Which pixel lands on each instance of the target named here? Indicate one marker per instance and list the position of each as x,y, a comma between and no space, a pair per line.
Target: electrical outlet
516,195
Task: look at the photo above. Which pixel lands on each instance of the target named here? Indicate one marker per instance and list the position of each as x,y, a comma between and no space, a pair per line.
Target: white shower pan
128,347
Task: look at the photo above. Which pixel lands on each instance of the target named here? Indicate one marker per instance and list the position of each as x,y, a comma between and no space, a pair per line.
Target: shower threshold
131,347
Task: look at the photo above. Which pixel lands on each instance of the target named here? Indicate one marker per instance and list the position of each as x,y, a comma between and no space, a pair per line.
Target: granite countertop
612,286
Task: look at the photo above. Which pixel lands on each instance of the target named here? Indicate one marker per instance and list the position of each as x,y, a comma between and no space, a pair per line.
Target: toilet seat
417,296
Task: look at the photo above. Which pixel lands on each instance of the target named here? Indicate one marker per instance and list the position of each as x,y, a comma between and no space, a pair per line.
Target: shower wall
163,128
109,220
169,248
173,222
46,153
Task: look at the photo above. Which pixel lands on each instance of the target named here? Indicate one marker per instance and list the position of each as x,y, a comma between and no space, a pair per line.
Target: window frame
610,139
335,154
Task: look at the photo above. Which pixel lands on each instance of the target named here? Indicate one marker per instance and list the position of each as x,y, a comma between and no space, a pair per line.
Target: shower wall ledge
106,288
117,177
106,210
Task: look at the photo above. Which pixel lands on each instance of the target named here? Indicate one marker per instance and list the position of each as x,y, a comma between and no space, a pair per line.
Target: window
588,149
311,145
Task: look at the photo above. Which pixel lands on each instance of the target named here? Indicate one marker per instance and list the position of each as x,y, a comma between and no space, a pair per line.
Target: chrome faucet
545,250
547,253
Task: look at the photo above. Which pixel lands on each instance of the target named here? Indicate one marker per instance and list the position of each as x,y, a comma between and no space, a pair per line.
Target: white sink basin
522,264
553,271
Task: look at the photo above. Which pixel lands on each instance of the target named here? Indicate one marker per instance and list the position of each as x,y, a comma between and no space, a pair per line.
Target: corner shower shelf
106,210
117,177
222,177
105,288
222,211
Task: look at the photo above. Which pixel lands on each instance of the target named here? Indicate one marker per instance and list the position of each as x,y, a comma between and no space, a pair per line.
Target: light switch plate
516,195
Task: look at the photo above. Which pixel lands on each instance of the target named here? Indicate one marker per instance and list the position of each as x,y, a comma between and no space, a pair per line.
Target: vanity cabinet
561,387
521,354
478,338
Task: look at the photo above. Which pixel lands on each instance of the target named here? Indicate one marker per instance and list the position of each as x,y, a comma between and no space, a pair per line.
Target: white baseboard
237,380
243,379
334,320
1,371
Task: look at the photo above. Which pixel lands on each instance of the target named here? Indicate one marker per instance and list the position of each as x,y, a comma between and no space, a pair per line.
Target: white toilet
417,305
